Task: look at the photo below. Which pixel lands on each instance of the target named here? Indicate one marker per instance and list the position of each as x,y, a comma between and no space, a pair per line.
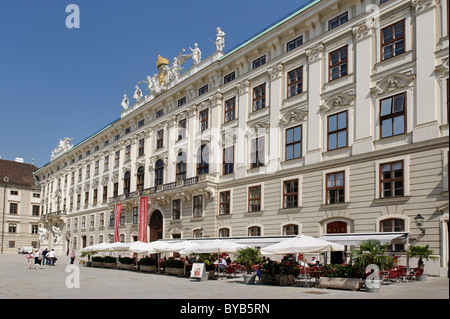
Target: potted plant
208,260
148,264
126,263
110,262
248,256
420,253
174,267
88,255
98,261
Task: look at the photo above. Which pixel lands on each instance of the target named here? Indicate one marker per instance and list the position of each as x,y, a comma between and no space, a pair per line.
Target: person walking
51,257
37,257
72,257
29,259
44,258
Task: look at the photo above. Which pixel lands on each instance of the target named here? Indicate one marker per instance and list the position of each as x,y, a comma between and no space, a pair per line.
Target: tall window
181,167
203,160
259,97
338,63
116,159
254,199
204,119
176,209
228,160
257,152
13,208
141,147
290,193
126,183
159,139
335,188
224,203
295,82
294,142
337,130
393,115
127,153
391,179
230,107
181,129
140,179
159,172
393,40
337,21
197,203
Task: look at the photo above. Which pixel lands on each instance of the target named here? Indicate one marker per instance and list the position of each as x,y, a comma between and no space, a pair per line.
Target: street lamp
419,222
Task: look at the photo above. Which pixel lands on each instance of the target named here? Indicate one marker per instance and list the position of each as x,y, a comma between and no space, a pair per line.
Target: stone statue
57,232
43,235
125,103
220,40
196,54
63,147
137,94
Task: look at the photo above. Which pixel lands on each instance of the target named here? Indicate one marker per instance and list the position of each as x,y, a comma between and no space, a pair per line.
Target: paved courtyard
49,282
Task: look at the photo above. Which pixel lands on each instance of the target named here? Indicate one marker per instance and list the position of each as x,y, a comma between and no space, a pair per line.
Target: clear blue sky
57,82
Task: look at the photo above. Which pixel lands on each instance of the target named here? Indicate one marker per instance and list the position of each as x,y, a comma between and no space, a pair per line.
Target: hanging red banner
117,222
143,219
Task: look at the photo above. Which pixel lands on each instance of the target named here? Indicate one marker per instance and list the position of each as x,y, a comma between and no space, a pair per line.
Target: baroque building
333,120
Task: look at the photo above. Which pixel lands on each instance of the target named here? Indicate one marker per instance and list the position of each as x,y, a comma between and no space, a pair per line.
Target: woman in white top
37,256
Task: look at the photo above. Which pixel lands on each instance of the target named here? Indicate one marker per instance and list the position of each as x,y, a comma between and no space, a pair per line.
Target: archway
156,226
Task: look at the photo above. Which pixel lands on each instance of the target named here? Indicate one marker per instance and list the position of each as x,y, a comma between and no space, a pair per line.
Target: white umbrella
177,247
118,246
301,244
141,247
98,247
214,246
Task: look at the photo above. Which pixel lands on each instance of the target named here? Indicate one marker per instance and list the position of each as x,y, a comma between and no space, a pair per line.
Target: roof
17,174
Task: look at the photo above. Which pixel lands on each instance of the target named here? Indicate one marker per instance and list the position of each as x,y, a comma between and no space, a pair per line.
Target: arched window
254,231
290,229
181,166
203,160
159,172
140,179
126,183
224,232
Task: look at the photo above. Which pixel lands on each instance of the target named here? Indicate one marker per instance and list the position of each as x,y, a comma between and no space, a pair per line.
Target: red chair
230,272
402,273
391,276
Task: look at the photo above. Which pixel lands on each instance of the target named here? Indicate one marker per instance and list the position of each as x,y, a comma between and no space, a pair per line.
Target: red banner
117,222
143,219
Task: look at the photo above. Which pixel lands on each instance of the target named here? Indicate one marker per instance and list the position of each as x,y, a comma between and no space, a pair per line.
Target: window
181,129
197,203
338,63
291,45
86,199
335,188
105,194
393,115
254,199
105,165
111,219
259,96
12,228
141,123
181,167
295,82
224,203
127,153
159,139
126,183
391,179
224,232
257,152
140,179
394,225
141,147
337,130
197,233
254,231
337,21
294,142
36,210
116,190
289,230
230,107
176,209
203,117
127,130
228,160
203,90
393,40
14,193
159,113
229,77
95,197
290,193
116,138
116,160
203,160
92,222
159,172
13,208
182,101
258,62
96,168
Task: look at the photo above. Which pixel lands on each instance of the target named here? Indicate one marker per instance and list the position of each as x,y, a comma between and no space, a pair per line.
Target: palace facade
333,120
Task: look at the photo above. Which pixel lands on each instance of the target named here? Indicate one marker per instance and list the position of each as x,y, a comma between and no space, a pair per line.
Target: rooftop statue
125,103
63,147
137,93
220,39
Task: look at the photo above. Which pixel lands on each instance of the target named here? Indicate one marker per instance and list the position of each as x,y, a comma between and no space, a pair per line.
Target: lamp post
419,222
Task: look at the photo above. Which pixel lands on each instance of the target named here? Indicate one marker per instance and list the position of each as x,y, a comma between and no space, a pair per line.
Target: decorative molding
243,86
423,5
363,29
293,117
315,52
276,71
337,101
393,83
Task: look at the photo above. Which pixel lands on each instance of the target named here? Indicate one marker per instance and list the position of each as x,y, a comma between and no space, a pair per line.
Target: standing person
37,256
29,259
72,257
51,257
44,258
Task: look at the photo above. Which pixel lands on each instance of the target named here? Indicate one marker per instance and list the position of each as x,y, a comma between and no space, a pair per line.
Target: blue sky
57,82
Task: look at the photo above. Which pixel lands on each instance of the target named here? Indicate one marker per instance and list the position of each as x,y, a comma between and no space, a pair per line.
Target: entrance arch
156,226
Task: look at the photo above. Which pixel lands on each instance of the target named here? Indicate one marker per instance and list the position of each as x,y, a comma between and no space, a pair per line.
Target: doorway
156,226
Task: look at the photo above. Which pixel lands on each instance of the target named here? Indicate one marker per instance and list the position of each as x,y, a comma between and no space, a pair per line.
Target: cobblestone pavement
49,282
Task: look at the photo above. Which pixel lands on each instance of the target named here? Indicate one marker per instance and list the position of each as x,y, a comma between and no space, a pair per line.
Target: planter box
110,265
340,283
174,271
147,268
126,266
98,264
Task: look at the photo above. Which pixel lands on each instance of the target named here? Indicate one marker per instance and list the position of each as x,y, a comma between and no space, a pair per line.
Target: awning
353,239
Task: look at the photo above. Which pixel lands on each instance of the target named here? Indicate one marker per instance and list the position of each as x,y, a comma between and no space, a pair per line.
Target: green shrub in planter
98,259
173,263
342,271
147,261
126,260
110,259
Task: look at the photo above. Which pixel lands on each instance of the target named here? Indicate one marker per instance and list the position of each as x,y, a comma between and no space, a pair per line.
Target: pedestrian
37,257
51,257
44,258
72,257
29,259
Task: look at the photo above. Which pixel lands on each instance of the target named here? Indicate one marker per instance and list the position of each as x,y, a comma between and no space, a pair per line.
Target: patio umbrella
118,246
177,247
141,247
97,247
301,244
214,246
